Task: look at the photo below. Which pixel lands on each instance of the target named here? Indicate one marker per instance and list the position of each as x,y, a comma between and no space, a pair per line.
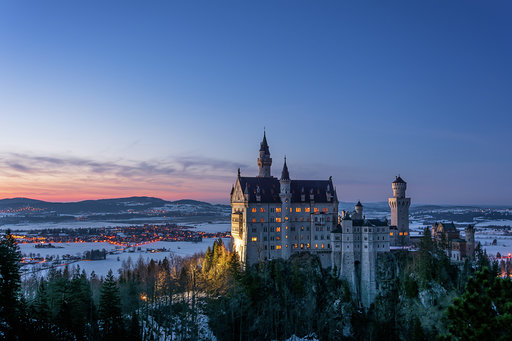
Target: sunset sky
103,99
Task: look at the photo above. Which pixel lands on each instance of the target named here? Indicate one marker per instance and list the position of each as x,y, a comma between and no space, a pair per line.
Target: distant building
275,218
448,237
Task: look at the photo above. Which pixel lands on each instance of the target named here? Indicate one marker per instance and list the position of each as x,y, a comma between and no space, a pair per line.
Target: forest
210,296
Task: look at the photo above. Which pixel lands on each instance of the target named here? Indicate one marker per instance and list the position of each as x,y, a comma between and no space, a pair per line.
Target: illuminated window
262,220
278,229
301,246
322,246
278,220
262,209
391,234
278,247
278,210
253,220
307,245
405,233
297,209
254,210
291,210
254,239
278,238
295,246
326,209
401,234
307,209
316,246
315,209
301,219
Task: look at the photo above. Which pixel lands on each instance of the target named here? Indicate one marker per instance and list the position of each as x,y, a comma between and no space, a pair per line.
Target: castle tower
368,259
358,211
350,260
470,241
264,161
286,199
399,205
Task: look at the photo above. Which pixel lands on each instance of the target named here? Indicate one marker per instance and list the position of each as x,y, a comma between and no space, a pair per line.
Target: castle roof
264,144
369,222
285,175
270,188
399,180
359,204
445,227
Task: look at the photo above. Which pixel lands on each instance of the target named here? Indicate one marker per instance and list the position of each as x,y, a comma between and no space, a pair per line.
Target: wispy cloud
169,177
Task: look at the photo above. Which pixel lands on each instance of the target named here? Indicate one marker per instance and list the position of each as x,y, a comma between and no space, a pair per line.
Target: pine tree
484,311
135,334
110,309
11,307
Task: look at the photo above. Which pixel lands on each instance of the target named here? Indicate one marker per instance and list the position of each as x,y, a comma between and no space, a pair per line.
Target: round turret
399,187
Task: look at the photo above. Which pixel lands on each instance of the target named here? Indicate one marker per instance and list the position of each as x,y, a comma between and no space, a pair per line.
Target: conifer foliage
11,306
110,309
484,311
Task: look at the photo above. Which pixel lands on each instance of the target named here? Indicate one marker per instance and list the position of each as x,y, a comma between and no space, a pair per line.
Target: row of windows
297,209
296,246
400,233
278,220
379,246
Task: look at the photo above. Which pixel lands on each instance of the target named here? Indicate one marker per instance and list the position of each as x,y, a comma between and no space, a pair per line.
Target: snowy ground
214,227
222,226
61,225
114,262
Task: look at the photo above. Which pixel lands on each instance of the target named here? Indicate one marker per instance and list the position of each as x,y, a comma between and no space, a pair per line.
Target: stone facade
275,218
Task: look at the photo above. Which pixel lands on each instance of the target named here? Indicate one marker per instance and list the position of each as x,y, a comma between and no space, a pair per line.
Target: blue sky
168,98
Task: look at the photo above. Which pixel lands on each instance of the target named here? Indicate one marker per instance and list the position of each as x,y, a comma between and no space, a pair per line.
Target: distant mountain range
145,204
25,210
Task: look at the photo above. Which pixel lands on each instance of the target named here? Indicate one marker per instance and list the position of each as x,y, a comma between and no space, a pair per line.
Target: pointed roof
359,204
264,144
398,180
285,175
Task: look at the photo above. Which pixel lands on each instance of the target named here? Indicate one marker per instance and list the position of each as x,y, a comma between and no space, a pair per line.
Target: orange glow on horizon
57,190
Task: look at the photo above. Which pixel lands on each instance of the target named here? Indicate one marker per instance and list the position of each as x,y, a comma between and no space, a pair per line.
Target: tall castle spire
264,161
285,175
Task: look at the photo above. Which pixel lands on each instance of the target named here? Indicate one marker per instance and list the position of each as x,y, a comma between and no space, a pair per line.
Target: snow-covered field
114,262
495,222
62,225
206,227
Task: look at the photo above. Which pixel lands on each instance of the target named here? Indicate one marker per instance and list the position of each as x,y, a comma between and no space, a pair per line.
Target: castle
275,218
448,237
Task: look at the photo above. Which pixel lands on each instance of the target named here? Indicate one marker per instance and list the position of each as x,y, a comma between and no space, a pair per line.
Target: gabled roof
445,227
270,188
